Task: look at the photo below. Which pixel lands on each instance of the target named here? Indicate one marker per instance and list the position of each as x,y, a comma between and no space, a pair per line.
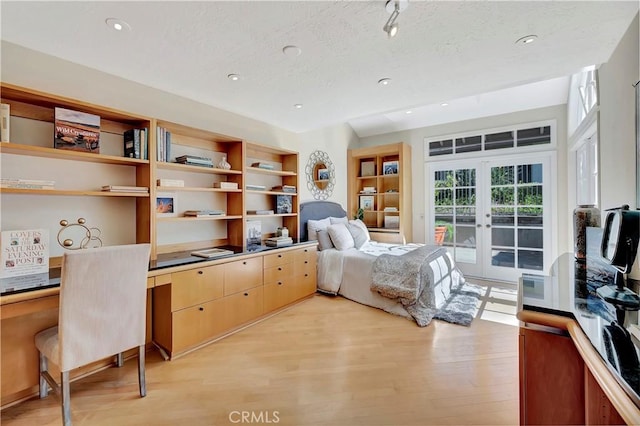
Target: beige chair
102,313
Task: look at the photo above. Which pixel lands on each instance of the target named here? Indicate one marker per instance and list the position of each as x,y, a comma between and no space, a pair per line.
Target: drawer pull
244,263
306,275
305,250
279,269
279,255
279,282
306,261
246,294
200,272
201,308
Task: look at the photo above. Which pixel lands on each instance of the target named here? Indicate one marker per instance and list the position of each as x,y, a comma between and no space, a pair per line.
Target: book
24,252
253,187
284,188
26,183
260,212
124,188
278,241
209,253
254,232
5,121
284,204
225,185
261,165
203,213
76,131
177,183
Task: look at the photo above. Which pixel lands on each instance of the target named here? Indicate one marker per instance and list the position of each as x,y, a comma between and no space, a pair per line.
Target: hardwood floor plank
325,361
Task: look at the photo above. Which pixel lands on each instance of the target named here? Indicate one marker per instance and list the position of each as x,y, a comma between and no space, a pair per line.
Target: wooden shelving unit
366,168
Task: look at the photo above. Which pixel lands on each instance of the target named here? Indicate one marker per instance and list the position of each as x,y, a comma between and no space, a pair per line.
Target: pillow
340,236
324,240
336,220
359,232
313,226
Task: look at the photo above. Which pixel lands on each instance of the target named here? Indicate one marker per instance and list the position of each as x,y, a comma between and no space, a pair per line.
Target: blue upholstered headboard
316,210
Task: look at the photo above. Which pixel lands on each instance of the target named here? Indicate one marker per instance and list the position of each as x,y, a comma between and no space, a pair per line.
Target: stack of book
124,188
284,188
193,160
225,185
176,183
203,213
368,190
260,212
260,165
26,183
390,209
278,241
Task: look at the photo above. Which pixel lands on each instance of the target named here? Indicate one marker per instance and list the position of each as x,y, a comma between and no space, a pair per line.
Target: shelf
271,215
196,169
387,230
254,191
38,151
187,219
193,189
71,192
270,172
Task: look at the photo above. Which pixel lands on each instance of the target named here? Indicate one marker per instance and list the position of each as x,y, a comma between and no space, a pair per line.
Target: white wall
416,137
616,124
28,68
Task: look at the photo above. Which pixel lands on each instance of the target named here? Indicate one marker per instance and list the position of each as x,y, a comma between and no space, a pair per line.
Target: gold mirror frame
321,175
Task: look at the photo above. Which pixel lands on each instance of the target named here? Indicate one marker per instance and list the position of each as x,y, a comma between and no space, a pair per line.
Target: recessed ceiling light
234,77
384,81
117,24
527,39
298,106
408,112
444,104
292,50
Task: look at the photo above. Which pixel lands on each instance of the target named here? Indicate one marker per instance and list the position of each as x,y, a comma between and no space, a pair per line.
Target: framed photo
166,205
254,233
367,168
390,168
323,174
284,204
366,202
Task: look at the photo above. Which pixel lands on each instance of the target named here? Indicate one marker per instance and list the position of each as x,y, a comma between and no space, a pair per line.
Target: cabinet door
305,285
196,286
278,294
242,275
243,307
192,326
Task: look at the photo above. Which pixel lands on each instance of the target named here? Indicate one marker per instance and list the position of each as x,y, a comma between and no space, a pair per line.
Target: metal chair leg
66,398
119,360
44,386
141,371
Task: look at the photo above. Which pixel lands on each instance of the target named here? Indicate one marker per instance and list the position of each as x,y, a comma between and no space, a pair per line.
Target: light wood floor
326,361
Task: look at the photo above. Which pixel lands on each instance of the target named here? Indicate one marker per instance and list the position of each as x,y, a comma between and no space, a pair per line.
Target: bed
410,280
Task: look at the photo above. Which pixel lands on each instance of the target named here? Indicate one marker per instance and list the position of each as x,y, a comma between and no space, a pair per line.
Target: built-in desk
26,311
568,373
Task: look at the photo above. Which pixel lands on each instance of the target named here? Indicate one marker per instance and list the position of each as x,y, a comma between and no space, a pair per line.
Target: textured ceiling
443,51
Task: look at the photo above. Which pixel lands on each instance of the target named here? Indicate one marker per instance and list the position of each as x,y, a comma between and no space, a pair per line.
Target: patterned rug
462,305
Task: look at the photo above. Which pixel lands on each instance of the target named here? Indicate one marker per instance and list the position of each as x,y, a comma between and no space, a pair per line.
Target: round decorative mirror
320,175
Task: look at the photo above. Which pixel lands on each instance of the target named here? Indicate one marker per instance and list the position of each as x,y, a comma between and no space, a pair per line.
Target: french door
495,214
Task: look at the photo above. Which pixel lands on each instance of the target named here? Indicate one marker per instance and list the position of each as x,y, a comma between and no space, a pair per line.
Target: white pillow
313,226
340,236
324,240
336,220
359,232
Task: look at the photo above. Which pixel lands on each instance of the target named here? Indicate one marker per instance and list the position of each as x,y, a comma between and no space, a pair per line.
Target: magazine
76,131
25,258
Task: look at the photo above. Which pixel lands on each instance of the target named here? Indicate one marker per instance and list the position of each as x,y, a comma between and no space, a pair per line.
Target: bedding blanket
414,278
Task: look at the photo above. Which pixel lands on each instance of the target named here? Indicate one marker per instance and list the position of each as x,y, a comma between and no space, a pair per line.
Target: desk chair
102,313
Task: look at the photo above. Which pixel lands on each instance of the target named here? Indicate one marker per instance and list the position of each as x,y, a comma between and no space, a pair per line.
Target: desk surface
570,291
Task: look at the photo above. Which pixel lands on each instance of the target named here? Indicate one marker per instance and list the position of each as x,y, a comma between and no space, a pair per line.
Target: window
587,172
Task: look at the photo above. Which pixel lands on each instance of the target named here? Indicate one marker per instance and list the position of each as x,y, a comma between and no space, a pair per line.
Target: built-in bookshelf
380,185
156,216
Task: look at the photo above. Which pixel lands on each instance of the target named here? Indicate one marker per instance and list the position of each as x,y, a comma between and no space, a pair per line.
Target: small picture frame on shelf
390,167
366,202
323,174
254,233
284,204
367,168
166,205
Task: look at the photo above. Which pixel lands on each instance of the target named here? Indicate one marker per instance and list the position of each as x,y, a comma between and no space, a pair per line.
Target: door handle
479,225
488,225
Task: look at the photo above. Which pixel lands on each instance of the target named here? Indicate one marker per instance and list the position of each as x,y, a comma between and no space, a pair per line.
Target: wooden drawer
305,285
278,259
305,266
242,275
243,307
196,286
194,325
309,254
278,273
278,294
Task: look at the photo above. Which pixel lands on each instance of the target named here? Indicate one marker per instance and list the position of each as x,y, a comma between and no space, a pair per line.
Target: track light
394,7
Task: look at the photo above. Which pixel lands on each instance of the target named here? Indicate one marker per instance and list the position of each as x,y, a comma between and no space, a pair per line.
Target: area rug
462,305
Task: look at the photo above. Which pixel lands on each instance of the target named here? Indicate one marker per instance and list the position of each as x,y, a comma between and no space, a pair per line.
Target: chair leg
66,398
141,371
119,360
44,386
